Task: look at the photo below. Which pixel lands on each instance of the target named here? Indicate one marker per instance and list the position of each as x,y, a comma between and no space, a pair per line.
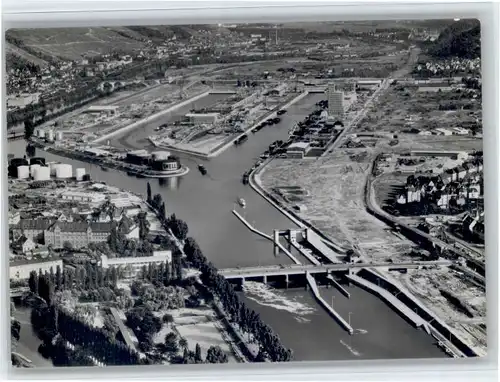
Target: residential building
14,218
132,266
33,229
24,245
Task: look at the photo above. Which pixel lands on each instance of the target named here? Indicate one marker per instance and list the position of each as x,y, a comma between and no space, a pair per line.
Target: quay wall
336,316
426,314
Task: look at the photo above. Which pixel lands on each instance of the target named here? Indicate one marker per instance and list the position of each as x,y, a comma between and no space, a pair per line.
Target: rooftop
299,145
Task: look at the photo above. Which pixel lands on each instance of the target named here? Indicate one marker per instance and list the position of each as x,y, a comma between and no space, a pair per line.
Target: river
28,341
205,203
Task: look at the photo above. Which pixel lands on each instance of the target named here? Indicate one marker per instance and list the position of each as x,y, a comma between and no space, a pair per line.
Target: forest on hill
460,39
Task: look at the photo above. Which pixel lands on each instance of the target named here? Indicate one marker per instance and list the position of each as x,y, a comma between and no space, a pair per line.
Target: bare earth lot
335,205
335,185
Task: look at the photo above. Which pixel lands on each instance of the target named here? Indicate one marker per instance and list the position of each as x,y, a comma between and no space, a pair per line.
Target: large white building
21,270
335,103
202,117
132,266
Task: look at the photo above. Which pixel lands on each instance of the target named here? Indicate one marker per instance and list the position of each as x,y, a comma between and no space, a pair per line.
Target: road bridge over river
277,270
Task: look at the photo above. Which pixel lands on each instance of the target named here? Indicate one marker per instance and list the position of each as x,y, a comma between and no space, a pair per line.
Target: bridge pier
265,279
286,281
276,238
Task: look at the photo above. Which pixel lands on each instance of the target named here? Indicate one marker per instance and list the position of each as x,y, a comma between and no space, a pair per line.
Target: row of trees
84,278
49,321
248,320
173,344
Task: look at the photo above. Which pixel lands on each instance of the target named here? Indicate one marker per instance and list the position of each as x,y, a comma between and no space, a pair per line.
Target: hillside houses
455,187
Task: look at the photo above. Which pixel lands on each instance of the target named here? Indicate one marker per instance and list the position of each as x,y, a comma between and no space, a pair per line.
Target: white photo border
38,14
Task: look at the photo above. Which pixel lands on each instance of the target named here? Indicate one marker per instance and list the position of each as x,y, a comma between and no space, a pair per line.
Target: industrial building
157,160
279,90
138,157
163,161
198,118
85,197
298,150
368,84
105,109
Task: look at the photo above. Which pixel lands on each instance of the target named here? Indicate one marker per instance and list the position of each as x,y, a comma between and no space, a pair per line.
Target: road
383,87
255,271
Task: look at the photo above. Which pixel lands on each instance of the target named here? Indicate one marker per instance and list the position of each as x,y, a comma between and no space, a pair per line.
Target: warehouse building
298,150
198,118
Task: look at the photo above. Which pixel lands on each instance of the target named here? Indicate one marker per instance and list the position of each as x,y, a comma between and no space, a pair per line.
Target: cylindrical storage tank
41,133
59,136
42,173
19,162
64,171
79,173
160,155
33,168
23,172
53,166
50,135
37,160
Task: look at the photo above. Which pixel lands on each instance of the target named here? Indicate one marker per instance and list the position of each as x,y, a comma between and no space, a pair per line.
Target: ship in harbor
202,169
245,177
241,139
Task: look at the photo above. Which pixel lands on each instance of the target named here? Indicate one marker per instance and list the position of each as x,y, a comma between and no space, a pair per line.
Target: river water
205,203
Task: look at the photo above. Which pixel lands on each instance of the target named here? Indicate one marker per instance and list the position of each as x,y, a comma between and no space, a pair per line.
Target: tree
143,225
149,193
197,354
29,127
15,329
177,264
163,211
157,201
67,246
59,278
171,344
216,355
33,282
183,344
168,319
179,227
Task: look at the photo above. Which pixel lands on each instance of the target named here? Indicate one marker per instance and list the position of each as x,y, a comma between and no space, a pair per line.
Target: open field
404,108
72,43
200,326
426,284
335,203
